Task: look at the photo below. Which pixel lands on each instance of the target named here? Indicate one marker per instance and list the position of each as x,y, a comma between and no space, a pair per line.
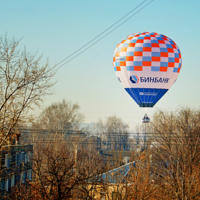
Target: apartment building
15,166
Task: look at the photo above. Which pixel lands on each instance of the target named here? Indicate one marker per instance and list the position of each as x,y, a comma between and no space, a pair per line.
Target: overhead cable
80,52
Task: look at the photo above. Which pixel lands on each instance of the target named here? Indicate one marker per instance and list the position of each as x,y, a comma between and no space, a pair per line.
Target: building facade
15,166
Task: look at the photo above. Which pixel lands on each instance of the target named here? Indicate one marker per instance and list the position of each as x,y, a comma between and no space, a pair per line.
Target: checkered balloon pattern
154,50
147,64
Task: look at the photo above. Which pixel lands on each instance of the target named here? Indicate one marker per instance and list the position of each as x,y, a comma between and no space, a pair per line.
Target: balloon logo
147,64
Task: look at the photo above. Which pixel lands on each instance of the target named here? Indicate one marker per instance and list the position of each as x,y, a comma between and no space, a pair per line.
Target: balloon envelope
147,64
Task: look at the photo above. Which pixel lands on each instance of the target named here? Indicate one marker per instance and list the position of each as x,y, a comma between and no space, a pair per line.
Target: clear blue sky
58,28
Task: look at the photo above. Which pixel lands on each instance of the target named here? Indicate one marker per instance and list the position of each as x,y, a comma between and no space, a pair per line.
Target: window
29,174
6,184
2,184
13,180
17,158
26,157
6,160
17,178
23,177
22,156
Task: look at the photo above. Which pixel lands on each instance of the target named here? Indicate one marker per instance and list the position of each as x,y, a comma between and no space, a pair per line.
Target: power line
100,35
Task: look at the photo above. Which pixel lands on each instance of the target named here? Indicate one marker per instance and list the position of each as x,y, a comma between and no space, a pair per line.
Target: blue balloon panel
146,97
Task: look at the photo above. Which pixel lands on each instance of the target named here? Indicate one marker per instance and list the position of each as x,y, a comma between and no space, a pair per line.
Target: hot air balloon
147,64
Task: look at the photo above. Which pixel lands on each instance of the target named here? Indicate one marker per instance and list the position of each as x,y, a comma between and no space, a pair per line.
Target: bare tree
115,130
24,81
58,173
53,169
140,180
176,153
60,116
112,124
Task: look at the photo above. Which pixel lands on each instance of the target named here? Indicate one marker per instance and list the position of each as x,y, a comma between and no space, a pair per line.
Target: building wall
15,165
